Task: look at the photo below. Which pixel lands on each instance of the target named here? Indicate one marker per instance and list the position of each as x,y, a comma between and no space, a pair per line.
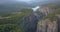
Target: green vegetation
50,16
57,11
10,28
12,22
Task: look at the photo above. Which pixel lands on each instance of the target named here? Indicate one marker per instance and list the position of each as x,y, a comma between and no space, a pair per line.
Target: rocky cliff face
46,9
58,18
29,22
47,26
50,22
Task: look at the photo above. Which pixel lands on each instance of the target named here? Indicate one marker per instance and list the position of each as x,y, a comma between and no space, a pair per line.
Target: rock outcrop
46,9
47,26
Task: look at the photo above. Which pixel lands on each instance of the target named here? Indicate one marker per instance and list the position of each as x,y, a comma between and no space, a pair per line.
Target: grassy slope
11,22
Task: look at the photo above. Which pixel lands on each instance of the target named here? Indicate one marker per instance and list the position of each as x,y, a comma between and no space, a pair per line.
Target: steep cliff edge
30,23
50,22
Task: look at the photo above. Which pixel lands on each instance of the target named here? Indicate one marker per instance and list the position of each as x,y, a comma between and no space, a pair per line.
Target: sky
36,0
26,0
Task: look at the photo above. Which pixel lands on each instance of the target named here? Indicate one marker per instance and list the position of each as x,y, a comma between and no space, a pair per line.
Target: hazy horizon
27,1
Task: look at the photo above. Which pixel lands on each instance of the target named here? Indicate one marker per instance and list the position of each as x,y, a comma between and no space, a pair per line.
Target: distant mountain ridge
16,6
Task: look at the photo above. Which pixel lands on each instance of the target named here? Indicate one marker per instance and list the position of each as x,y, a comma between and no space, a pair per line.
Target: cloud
24,0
